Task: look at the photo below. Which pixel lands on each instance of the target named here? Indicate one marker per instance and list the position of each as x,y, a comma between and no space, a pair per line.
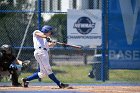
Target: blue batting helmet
46,29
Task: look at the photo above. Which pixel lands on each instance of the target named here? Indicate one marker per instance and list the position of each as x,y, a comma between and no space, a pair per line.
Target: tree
4,6
59,21
13,24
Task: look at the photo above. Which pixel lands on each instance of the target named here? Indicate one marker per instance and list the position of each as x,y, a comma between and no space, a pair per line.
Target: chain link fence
19,18
122,39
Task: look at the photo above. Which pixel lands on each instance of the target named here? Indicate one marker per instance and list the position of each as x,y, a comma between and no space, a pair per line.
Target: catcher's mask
6,49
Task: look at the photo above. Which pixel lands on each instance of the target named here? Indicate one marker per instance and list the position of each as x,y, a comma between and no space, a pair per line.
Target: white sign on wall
84,28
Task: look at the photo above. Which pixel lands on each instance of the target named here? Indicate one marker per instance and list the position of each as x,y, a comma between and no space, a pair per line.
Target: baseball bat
74,46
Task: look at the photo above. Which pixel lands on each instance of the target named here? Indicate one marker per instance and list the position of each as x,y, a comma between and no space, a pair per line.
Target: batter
41,46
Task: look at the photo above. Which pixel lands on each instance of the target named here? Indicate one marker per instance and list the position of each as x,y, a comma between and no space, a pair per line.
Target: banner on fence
84,28
124,34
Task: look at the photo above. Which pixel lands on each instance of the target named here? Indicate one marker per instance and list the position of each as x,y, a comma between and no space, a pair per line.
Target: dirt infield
74,89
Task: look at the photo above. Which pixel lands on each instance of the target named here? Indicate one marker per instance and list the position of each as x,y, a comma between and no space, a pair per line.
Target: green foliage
59,21
13,24
4,6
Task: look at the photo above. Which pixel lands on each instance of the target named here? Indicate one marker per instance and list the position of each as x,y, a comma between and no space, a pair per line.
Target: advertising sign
124,34
84,28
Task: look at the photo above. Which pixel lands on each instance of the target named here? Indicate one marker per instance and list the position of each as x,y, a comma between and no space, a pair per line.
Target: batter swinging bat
74,46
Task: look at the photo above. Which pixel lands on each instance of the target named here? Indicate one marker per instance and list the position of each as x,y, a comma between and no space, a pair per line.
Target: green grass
79,74
125,75
72,74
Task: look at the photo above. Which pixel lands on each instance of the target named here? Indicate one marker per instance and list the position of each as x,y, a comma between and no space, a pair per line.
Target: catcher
9,63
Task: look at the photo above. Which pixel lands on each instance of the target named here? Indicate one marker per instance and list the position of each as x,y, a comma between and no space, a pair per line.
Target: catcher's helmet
6,49
47,28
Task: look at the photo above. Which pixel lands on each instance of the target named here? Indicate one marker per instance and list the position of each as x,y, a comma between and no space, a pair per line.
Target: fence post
50,58
85,58
104,67
103,41
39,14
39,23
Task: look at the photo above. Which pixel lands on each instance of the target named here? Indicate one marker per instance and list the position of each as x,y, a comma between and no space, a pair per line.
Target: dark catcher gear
8,63
6,49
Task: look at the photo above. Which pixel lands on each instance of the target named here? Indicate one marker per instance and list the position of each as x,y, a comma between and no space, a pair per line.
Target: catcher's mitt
26,63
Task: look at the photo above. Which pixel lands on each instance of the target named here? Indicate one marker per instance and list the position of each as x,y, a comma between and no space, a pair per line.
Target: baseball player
41,46
8,63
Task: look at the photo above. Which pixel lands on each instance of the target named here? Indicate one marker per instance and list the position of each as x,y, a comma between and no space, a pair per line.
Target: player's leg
29,78
39,79
36,75
32,77
44,60
53,78
14,72
14,79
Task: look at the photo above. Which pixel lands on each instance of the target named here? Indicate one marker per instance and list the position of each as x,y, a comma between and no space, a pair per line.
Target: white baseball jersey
39,42
41,54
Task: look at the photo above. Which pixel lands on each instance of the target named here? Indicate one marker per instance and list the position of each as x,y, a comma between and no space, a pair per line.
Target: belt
42,48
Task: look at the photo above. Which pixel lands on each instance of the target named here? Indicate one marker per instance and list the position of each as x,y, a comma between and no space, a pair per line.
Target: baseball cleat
63,85
25,83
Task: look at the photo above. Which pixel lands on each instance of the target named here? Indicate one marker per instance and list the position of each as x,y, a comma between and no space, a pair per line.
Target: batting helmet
6,49
47,28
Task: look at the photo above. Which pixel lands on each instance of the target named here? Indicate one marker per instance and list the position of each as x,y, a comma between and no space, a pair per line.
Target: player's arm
14,60
40,34
18,62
